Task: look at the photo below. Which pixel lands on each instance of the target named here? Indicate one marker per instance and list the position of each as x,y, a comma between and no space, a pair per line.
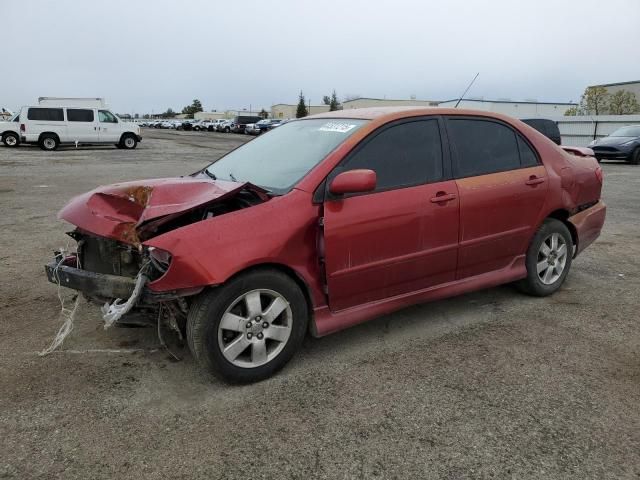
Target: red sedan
329,221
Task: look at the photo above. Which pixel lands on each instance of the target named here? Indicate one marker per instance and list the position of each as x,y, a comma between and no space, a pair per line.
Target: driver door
401,237
108,127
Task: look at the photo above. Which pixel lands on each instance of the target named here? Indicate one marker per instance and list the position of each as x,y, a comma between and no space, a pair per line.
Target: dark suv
241,121
547,127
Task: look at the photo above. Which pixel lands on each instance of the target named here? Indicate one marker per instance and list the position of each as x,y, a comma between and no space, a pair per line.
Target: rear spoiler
578,151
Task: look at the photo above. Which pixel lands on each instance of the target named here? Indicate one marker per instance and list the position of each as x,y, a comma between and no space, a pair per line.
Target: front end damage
112,265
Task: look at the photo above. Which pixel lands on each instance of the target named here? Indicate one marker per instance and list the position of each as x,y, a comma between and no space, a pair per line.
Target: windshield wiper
233,179
213,177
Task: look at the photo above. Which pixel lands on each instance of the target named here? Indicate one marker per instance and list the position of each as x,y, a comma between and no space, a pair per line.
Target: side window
402,155
483,147
106,116
527,156
79,115
45,114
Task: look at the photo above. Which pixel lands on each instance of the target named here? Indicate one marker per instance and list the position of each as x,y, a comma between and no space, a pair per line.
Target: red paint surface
382,250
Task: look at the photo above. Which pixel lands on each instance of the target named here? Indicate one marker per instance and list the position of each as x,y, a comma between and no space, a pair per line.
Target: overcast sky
150,55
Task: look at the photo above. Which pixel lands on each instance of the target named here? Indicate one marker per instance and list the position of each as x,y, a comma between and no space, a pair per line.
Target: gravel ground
488,385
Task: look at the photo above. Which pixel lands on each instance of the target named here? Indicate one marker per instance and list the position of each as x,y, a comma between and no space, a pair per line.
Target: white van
51,126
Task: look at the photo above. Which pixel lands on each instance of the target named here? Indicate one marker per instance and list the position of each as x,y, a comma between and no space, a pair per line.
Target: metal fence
580,131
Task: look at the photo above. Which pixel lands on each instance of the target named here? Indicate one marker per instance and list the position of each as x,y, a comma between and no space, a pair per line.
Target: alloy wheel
255,328
552,258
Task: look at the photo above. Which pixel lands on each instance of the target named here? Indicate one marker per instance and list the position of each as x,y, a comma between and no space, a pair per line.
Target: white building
633,87
286,110
225,114
524,109
383,102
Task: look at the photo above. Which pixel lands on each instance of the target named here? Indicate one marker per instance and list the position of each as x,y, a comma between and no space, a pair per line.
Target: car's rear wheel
48,141
635,157
548,259
227,130
129,142
248,329
10,139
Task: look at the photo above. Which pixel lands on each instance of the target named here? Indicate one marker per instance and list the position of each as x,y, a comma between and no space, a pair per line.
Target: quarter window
46,114
483,147
106,116
402,155
527,156
79,115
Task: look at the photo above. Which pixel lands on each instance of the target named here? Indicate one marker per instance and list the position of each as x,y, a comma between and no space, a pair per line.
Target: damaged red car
329,221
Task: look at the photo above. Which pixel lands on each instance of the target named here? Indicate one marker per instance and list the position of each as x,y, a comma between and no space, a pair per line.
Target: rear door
403,236
82,125
502,186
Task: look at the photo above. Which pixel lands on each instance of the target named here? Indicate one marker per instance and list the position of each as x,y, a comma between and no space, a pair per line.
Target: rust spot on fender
139,195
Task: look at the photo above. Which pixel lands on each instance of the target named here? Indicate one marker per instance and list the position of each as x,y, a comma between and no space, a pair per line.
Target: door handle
533,180
442,197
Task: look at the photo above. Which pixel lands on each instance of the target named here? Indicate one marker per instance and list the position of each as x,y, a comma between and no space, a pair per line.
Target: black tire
227,130
635,157
206,314
128,141
118,145
48,142
11,139
533,284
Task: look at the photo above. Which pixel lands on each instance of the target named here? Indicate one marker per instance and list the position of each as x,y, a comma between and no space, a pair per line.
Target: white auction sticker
336,127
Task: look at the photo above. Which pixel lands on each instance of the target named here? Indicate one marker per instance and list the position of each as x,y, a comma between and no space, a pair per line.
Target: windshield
632,131
277,160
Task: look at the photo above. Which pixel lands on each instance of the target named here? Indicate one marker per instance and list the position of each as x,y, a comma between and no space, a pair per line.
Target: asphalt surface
488,385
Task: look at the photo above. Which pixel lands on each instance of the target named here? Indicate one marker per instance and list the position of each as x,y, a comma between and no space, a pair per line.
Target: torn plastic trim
112,312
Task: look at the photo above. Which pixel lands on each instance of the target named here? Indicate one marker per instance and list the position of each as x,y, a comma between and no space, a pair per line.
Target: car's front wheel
248,329
129,142
11,139
548,259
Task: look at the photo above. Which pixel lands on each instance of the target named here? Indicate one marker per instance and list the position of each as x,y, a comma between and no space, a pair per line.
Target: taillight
600,175
23,128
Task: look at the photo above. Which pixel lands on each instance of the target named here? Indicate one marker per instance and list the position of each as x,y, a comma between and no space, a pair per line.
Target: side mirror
353,181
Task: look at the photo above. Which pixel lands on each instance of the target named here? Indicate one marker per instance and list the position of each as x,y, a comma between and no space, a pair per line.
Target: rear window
46,114
79,115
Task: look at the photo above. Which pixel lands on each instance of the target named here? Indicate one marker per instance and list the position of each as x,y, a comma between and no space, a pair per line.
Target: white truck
10,131
55,121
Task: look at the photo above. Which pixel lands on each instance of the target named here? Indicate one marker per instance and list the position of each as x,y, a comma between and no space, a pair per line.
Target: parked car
225,126
547,127
10,131
213,125
187,125
252,128
241,121
50,127
330,221
262,126
623,144
199,125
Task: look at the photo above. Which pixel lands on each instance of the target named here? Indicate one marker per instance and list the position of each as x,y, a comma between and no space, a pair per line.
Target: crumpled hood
118,211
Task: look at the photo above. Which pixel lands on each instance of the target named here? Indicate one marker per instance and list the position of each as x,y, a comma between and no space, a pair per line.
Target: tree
263,113
594,101
301,111
623,103
572,112
168,114
189,110
333,103
326,100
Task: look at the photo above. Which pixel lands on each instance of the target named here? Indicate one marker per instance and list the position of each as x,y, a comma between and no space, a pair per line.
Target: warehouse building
524,109
286,110
383,102
633,87
224,114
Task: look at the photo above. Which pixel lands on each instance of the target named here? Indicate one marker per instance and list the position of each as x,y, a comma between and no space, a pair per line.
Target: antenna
465,92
